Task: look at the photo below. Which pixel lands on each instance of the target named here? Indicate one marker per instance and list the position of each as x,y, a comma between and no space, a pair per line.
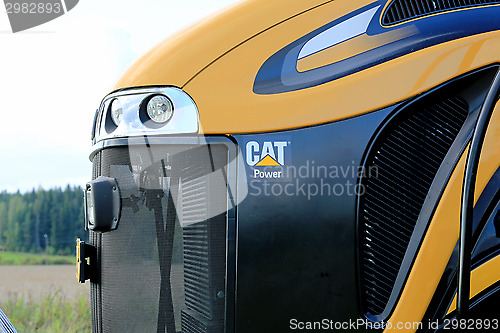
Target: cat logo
270,154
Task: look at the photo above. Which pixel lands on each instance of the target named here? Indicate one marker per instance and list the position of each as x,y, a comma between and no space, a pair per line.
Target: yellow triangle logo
268,161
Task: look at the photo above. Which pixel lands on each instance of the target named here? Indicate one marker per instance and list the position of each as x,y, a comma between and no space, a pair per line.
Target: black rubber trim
469,186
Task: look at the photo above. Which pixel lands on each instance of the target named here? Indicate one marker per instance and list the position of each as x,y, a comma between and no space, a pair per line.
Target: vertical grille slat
204,241
407,155
400,11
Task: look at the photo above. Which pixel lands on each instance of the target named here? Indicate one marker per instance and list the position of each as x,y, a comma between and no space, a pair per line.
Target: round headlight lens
160,109
116,111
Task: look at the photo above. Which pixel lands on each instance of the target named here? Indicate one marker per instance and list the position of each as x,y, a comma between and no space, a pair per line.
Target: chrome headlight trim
185,118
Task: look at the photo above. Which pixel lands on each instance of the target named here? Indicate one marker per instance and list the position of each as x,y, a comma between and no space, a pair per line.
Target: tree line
42,220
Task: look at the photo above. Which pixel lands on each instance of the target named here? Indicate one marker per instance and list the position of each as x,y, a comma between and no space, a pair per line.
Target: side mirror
5,324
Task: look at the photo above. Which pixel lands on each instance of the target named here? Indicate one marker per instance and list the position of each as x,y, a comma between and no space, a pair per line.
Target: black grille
174,201
400,168
203,244
403,10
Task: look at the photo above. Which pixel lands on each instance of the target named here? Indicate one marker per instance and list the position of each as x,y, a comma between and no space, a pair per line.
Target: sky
53,77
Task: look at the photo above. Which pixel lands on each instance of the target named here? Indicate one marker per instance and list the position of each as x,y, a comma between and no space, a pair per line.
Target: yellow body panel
216,62
481,278
238,110
176,60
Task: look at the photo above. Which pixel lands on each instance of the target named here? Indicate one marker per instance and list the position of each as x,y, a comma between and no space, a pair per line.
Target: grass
17,258
52,314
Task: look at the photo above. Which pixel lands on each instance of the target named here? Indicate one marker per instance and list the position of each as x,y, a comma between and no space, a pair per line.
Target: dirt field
35,282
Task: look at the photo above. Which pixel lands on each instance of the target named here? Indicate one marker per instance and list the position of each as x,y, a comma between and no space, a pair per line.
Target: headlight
146,111
160,109
116,111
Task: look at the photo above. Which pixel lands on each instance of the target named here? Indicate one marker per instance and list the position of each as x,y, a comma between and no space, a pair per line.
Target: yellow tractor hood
179,58
264,66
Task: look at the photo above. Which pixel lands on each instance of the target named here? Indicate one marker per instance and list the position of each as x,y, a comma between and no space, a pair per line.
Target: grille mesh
400,167
94,239
403,10
129,294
